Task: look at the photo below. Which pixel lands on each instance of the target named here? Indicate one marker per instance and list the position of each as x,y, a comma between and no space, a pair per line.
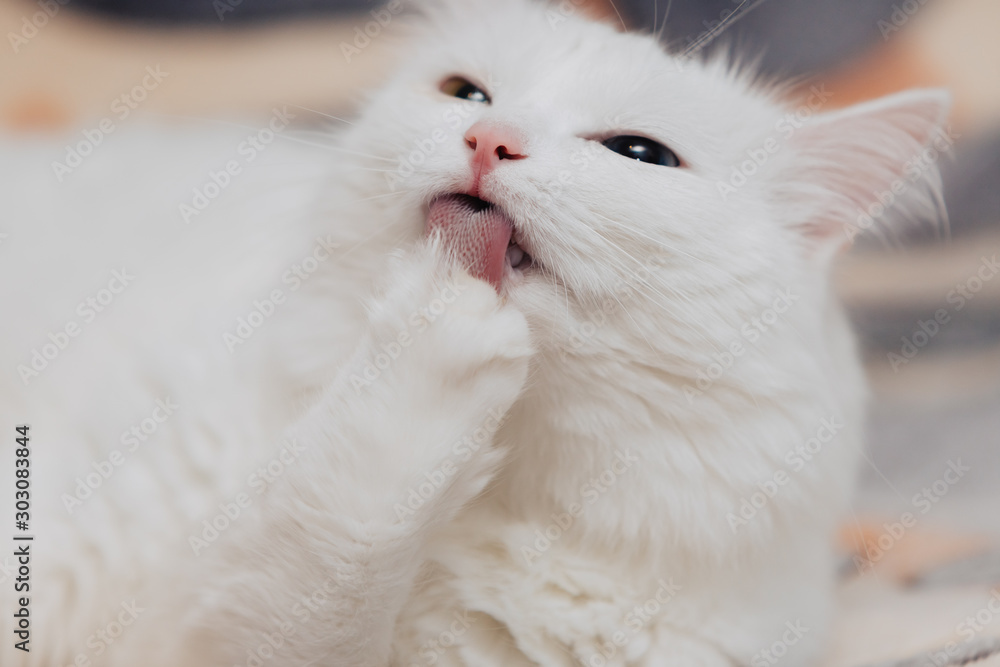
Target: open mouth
480,234
517,258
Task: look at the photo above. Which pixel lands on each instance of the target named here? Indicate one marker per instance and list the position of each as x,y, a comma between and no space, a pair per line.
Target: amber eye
464,89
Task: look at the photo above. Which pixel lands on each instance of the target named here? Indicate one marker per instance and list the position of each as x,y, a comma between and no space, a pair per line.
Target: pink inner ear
847,161
477,237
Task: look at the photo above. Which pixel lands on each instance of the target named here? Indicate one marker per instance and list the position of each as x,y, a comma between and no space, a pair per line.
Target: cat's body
686,402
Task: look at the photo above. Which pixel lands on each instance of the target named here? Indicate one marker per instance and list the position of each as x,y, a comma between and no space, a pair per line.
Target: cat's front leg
444,362
398,443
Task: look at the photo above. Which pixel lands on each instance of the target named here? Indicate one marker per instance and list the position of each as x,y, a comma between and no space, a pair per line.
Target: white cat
607,415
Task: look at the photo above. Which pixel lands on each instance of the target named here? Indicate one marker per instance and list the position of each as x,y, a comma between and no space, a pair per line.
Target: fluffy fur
556,475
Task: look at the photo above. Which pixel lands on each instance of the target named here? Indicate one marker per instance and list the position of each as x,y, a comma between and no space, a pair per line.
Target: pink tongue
478,238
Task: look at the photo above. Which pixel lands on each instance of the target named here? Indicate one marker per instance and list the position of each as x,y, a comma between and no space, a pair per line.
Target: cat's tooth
514,255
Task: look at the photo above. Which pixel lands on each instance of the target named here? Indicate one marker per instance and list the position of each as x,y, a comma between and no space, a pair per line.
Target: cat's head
629,201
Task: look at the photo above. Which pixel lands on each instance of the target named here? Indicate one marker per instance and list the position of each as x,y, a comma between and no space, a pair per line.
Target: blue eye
643,150
464,89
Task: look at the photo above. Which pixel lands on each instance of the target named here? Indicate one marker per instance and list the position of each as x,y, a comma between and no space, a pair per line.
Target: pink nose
492,142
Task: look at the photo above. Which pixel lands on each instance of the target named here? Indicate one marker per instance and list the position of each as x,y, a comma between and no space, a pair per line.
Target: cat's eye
464,89
643,150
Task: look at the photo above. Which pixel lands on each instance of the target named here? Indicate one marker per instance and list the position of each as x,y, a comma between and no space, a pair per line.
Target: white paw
448,358
449,333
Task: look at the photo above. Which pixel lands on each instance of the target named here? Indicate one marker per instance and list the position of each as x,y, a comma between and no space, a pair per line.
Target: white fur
649,278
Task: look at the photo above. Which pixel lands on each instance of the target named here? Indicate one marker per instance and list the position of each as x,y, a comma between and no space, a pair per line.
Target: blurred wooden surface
76,64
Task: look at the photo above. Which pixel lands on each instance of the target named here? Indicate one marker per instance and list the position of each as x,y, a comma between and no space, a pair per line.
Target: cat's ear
867,168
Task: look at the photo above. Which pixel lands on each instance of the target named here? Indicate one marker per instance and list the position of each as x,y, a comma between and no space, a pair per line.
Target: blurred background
936,388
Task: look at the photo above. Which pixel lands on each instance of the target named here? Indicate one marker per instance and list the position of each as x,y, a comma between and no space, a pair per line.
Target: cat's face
591,165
